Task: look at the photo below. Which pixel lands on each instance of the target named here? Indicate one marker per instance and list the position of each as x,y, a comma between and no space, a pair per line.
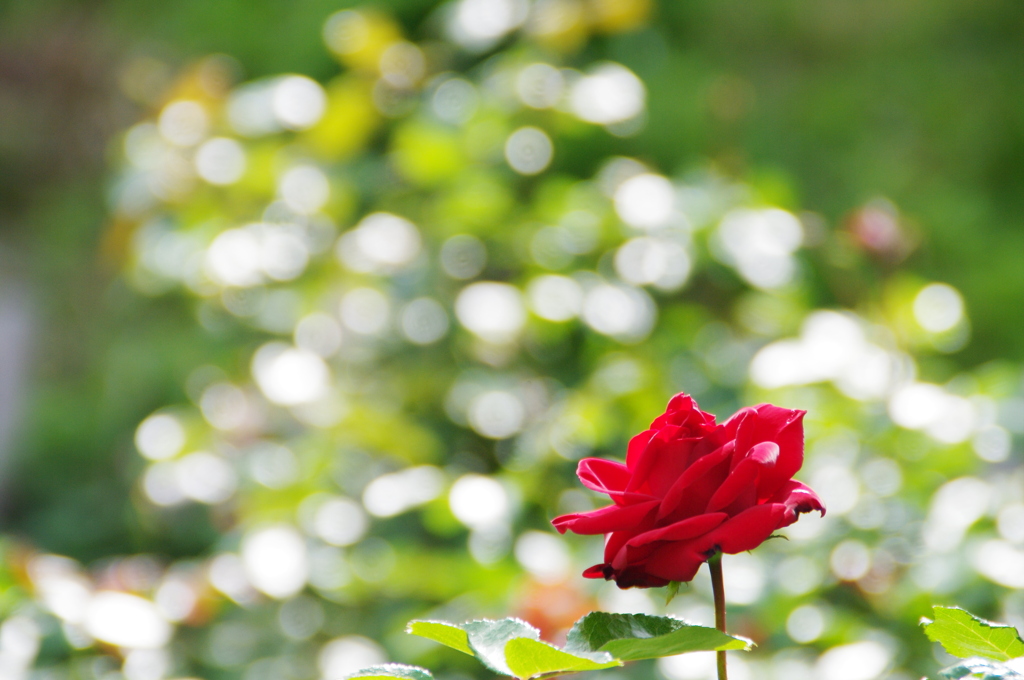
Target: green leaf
964,634
984,668
488,639
631,637
484,639
528,658
448,634
598,640
391,670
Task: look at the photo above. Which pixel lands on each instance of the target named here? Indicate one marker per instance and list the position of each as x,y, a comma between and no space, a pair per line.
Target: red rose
691,488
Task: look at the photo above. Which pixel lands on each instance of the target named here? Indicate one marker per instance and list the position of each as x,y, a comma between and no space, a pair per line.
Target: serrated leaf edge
460,625
507,670
976,664
748,644
408,626
366,672
925,622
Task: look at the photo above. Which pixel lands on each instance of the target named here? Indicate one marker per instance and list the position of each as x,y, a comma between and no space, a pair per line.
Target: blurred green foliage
369,314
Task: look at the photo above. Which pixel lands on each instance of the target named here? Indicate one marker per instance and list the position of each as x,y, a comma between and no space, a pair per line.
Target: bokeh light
609,93
528,150
160,436
126,621
493,311
373,305
275,560
938,307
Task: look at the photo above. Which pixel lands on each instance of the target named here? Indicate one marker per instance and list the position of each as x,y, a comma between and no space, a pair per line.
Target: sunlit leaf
484,639
980,668
488,640
638,636
964,635
391,670
528,658
447,634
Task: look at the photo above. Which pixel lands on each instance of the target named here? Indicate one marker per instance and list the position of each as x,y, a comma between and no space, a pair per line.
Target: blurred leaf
528,658
478,199
391,670
631,637
964,635
376,31
980,668
349,122
427,154
616,16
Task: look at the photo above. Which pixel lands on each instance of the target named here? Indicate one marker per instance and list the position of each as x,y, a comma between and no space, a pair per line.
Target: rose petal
636,447
615,542
602,475
631,577
630,555
604,520
765,422
609,477
679,531
683,410
599,571
679,561
638,577
699,468
606,476
660,464
800,497
745,475
658,467
676,561
748,529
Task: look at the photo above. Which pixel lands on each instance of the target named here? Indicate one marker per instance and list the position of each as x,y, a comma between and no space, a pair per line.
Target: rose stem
718,587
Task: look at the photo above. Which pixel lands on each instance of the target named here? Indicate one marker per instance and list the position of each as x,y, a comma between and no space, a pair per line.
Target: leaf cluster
597,641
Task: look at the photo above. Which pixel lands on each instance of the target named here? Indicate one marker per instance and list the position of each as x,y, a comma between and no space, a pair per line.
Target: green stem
718,587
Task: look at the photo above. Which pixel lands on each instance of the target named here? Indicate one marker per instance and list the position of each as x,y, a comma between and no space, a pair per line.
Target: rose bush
690,488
